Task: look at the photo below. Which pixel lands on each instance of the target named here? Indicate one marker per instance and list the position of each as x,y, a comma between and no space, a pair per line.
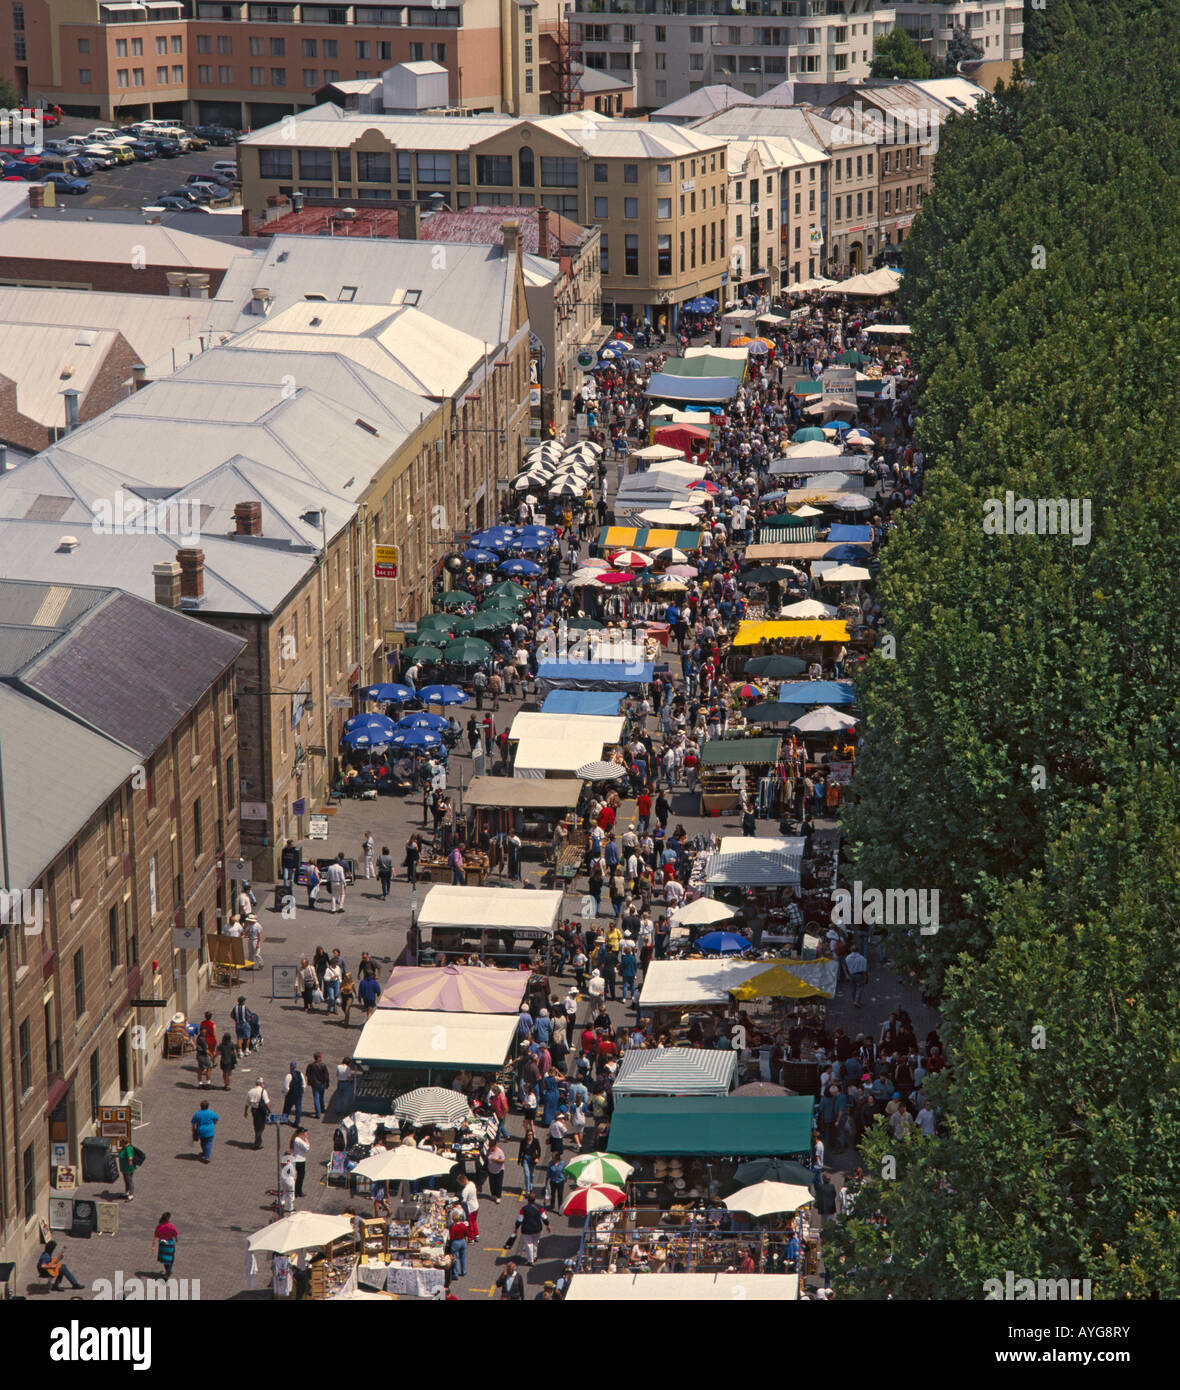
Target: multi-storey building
996,27
242,64
669,48
118,820
656,191
775,211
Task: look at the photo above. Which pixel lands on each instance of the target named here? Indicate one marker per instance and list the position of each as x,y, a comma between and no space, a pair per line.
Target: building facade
242,64
996,27
130,865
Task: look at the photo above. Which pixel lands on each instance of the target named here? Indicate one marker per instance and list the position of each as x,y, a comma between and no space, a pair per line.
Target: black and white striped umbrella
432,1105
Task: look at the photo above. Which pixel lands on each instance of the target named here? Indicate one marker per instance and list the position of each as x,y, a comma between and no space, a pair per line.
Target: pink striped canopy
469,989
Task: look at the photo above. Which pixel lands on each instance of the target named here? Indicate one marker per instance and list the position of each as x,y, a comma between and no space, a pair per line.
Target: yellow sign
385,561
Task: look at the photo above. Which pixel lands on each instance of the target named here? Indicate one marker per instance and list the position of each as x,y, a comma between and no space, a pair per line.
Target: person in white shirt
337,884
926,1120
673,893
469,1196
596,987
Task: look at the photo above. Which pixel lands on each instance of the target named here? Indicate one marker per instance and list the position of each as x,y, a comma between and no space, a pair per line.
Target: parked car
19,152
214,191
217,134
85,166
170,204
100,155
226,166
66,183
75,141
165,149
142,150
191,195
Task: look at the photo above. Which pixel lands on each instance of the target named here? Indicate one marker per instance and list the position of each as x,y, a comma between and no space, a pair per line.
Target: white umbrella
852,502
767,1198
823,720
810,448
659,451
602,772
304,1230
433,1105
704,913
807,511
566,487
403,1164
670,556
846,574
664,516
808,608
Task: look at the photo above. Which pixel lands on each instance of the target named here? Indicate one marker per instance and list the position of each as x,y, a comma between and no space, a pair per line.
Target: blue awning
582,702
688,388
593,675
850,533
817,693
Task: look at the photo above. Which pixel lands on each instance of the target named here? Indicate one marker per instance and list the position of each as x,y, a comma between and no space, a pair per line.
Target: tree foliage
896,55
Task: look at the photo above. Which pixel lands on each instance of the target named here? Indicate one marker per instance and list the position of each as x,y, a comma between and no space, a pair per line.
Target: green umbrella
506,586
490,620
773,713
423,653
440,622
581,624
852,358
463,623
776,667
599,1168
764,574
788,519
467,651
455,598
773,1170
808,432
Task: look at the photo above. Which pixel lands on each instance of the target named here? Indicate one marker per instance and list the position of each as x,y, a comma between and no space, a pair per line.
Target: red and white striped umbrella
614,576
631,559
600,1197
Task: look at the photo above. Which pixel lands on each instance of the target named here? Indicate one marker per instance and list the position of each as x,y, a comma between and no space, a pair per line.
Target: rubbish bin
99,1164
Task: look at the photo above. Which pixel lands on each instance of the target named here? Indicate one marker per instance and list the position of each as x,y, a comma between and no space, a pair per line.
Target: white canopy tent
494,909
421,1038
559,744
687,983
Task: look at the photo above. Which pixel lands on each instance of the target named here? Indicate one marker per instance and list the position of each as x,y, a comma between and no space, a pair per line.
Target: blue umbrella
607,355
361,738
772,497
377,725
493,538
540,533
481,557
422,720
618,345
443,695
388,693
724,943
415,738
837,425
757,349
520,567
701,305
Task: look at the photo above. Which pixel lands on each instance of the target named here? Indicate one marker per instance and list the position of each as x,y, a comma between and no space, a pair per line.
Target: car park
217,135
20,170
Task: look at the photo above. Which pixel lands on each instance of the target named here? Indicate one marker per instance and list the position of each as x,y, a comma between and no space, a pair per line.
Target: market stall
549,746
455,989
593,675
721,782
675,1071
511,926
533,807
402,1048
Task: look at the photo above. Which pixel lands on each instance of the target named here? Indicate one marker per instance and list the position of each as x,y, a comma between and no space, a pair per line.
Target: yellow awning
630,537
778,983
827,630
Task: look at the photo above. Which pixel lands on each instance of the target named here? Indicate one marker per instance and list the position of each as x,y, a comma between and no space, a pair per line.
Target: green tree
896,55
960,49
9,96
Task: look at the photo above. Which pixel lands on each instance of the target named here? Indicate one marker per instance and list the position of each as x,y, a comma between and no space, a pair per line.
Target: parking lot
129,187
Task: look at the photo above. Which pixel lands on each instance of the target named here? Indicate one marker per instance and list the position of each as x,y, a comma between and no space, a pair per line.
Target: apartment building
996,27
657,192
775,212
242,64
361,397
670,48
119,816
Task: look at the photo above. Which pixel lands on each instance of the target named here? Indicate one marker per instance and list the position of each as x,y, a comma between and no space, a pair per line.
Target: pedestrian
333,978
318,1078
240,1015
228,1053
413,854
165,1237
308,984
293,1086
258,1108
344,1086
469,1196
556,1176
204,1123
204,1062
858,975
51,1265
510,1284
370,992
458,876
530,1222
528,1155
313,878
494,1163
127,1166
347,994
385,870
289,862
337,882
287,1183
299,1149
369,849
253,929
457,1238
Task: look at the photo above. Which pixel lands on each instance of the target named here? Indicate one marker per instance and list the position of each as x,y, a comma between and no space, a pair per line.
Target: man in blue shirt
543,1028
611,852
204,1123
524,1024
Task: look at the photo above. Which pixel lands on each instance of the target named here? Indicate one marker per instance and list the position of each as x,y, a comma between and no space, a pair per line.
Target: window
494,169
225,43
811,200
373,168
797,240
663,208
311,77
661,62
198,836
403,170
177,43
417,53
682,253
631,207
137,48
798,203
113,936
309,46
696,34
769,219
29,1173
559,173
663,173
25,1052
463,168
600,173
52,1041
79,982
737,231
888,204
162,76
528,50
315,164
178,73
886,161
836,169
331,75
527,168
434,168
257,46
604,255
601,207
121,77
273,164
737,193
130,935
95,1085
696,62
161,43
438,52
630,173
331,48
84,75
692,247
860,204
278,77
204,73
528,21
837,207
258,77
363,49
225,74
120,48
869,203
528,82
661,33
630,255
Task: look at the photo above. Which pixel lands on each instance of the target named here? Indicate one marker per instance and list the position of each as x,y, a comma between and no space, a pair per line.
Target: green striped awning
786,535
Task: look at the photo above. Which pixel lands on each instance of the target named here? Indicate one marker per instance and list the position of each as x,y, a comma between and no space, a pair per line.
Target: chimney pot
192,573
167,580
543,232
248,519
71,397
511,230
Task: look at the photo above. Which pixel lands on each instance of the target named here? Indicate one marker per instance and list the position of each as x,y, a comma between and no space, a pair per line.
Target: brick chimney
511,230
248,519
139,376
247,223
192,572
168,583
408,221
543,232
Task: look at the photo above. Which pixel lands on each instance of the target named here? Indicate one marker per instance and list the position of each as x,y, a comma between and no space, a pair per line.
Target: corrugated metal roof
43,361
756,869
703,102
676,1071
45,240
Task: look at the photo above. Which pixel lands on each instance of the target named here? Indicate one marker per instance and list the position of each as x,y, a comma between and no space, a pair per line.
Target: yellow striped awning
826,630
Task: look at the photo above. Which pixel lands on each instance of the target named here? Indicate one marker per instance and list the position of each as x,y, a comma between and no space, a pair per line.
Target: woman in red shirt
459,1233
606,818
